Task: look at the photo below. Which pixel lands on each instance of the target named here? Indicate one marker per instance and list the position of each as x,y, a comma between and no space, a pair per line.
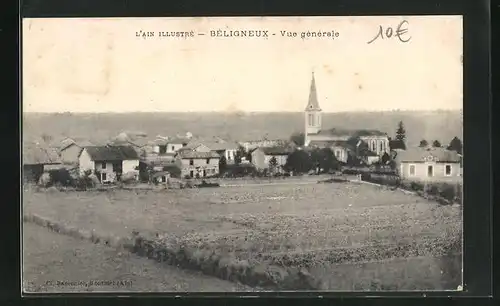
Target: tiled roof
327,144
276,150
103,153
38,155
421,154
196,154
351,133
220,146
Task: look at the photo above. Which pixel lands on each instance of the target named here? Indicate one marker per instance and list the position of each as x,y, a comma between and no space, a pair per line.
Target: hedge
442,191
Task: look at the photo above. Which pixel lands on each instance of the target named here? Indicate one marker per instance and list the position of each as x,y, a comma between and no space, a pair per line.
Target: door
430,171
204,172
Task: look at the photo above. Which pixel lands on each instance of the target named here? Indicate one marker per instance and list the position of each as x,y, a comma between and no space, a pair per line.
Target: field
341,231
50,257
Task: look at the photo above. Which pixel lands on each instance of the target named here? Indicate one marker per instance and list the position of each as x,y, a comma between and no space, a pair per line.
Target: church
340,140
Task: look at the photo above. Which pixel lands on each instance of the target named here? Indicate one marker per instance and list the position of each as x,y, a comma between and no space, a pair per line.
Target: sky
101,65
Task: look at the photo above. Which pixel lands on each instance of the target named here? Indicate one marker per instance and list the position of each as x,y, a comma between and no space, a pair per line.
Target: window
103,177
103,165
191,162
173,148
412,170
310,120
447,170
163,149
208,161
337,154
374,146
191,173
430,170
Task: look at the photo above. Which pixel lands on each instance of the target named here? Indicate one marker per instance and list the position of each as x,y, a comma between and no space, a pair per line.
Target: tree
298,138
249,157
273,163
352,161
299,162
436,144
423,143
222,164
400,141
456,145
401,132
239,155
386,158
325,159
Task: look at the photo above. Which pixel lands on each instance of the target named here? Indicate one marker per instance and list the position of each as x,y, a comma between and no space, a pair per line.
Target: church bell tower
312,113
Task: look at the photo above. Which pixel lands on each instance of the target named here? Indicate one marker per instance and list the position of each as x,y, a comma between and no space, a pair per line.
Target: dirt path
57,263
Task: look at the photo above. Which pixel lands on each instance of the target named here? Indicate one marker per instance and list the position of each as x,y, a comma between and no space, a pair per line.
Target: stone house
37,160
70,150
226,149
261,157
198,161
109,163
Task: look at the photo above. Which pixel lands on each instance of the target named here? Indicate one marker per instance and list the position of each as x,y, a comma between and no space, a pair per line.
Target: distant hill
429,125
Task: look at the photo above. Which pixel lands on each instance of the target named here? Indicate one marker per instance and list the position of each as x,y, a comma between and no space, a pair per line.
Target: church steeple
313,97
312,113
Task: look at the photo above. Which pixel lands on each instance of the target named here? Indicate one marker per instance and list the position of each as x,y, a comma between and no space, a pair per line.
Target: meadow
344,235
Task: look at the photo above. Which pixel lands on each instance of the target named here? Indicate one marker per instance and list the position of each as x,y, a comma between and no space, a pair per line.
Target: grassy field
56,263
321,227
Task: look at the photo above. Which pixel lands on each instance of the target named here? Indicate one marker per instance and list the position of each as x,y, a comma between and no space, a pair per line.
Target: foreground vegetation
276,236
79,266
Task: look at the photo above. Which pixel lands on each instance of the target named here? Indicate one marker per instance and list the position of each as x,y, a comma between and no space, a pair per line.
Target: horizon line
245,112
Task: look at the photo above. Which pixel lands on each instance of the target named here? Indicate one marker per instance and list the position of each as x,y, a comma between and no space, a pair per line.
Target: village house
198,161
261,158
226,149
428,164
70,150
377,141
169,145
109,163
37,160
141,143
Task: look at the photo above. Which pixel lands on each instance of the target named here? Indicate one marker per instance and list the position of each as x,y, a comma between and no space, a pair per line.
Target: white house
109,162
428,164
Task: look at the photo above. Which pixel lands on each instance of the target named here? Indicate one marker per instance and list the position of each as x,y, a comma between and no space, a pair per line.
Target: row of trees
400,141
455,144
319,160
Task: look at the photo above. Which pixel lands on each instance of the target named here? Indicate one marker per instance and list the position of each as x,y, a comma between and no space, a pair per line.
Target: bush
448,192
431,189
416,186
129,177
84,182
60,177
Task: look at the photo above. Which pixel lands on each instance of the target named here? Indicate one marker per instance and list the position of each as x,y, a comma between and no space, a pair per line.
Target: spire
313,98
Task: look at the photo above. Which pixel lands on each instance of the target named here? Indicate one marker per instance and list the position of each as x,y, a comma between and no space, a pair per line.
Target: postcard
242,154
